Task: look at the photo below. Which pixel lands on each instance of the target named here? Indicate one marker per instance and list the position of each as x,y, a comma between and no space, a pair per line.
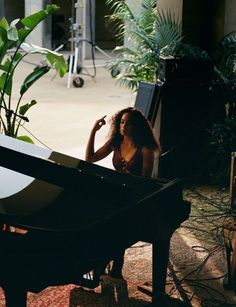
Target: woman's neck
128,141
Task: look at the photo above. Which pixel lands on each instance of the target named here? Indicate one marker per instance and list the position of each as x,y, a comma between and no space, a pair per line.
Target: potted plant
147,33
13,50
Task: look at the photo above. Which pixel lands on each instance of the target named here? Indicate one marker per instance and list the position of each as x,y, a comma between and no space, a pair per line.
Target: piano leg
160,258
15,296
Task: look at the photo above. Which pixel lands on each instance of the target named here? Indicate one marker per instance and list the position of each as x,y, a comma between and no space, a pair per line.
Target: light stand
78,41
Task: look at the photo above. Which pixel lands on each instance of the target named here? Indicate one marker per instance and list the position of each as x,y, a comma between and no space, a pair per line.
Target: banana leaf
31,78
56,60
26,107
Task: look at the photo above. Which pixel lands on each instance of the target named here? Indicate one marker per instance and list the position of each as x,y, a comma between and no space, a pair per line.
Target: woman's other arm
148,161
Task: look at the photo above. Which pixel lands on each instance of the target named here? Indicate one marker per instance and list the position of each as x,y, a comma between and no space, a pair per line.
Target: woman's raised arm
102,152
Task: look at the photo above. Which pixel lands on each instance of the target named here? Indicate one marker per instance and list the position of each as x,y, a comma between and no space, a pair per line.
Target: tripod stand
78,44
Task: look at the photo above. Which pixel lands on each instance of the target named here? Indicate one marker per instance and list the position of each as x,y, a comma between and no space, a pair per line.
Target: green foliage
152,33
12,37
221,142
147,34
25,138
224,57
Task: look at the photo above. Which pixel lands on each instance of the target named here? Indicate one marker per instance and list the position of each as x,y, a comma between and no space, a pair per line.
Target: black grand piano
77,216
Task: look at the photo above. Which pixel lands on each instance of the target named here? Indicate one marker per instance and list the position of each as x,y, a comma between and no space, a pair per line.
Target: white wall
37,36
176,6
135,6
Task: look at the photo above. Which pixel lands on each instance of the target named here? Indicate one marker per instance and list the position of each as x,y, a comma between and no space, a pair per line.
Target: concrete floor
63,116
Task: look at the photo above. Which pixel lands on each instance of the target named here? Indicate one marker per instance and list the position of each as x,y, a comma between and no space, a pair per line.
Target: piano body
78,215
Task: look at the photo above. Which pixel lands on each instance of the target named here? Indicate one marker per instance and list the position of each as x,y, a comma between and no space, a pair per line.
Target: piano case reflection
77,215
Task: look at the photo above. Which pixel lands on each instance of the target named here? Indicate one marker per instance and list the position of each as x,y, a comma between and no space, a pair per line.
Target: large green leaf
23,109
3,30
58,62
10,63
7,88
8,36
25,138
6,66
3,37
23,33
12,33
4,24
17,58
31,78
31,21
56,59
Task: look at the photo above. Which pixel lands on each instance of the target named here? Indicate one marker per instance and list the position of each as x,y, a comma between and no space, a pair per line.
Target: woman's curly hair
141,130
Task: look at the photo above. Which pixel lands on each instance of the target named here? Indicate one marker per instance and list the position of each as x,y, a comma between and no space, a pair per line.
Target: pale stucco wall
135,5
37,36
176,6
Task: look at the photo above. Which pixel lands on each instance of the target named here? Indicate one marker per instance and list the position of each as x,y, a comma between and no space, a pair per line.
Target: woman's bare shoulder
147,151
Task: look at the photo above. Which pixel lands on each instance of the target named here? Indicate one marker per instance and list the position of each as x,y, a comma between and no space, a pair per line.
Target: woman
132,141
134,149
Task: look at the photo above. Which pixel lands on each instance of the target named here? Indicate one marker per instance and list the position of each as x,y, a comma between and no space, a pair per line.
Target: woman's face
125,125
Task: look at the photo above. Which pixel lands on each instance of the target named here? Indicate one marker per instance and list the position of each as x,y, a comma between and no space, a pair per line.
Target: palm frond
121,10
147,15
190,52
147,34
168,29
149,4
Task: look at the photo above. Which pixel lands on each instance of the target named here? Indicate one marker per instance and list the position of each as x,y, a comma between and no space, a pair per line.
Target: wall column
41,35
88,29
175,6
135,6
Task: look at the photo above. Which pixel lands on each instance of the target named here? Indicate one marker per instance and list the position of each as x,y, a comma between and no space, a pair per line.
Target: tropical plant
221,137
224,57
152,33
221,142
147,33
13,50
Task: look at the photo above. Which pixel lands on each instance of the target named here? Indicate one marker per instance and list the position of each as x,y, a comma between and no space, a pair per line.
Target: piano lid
38,176
14,181
23,193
